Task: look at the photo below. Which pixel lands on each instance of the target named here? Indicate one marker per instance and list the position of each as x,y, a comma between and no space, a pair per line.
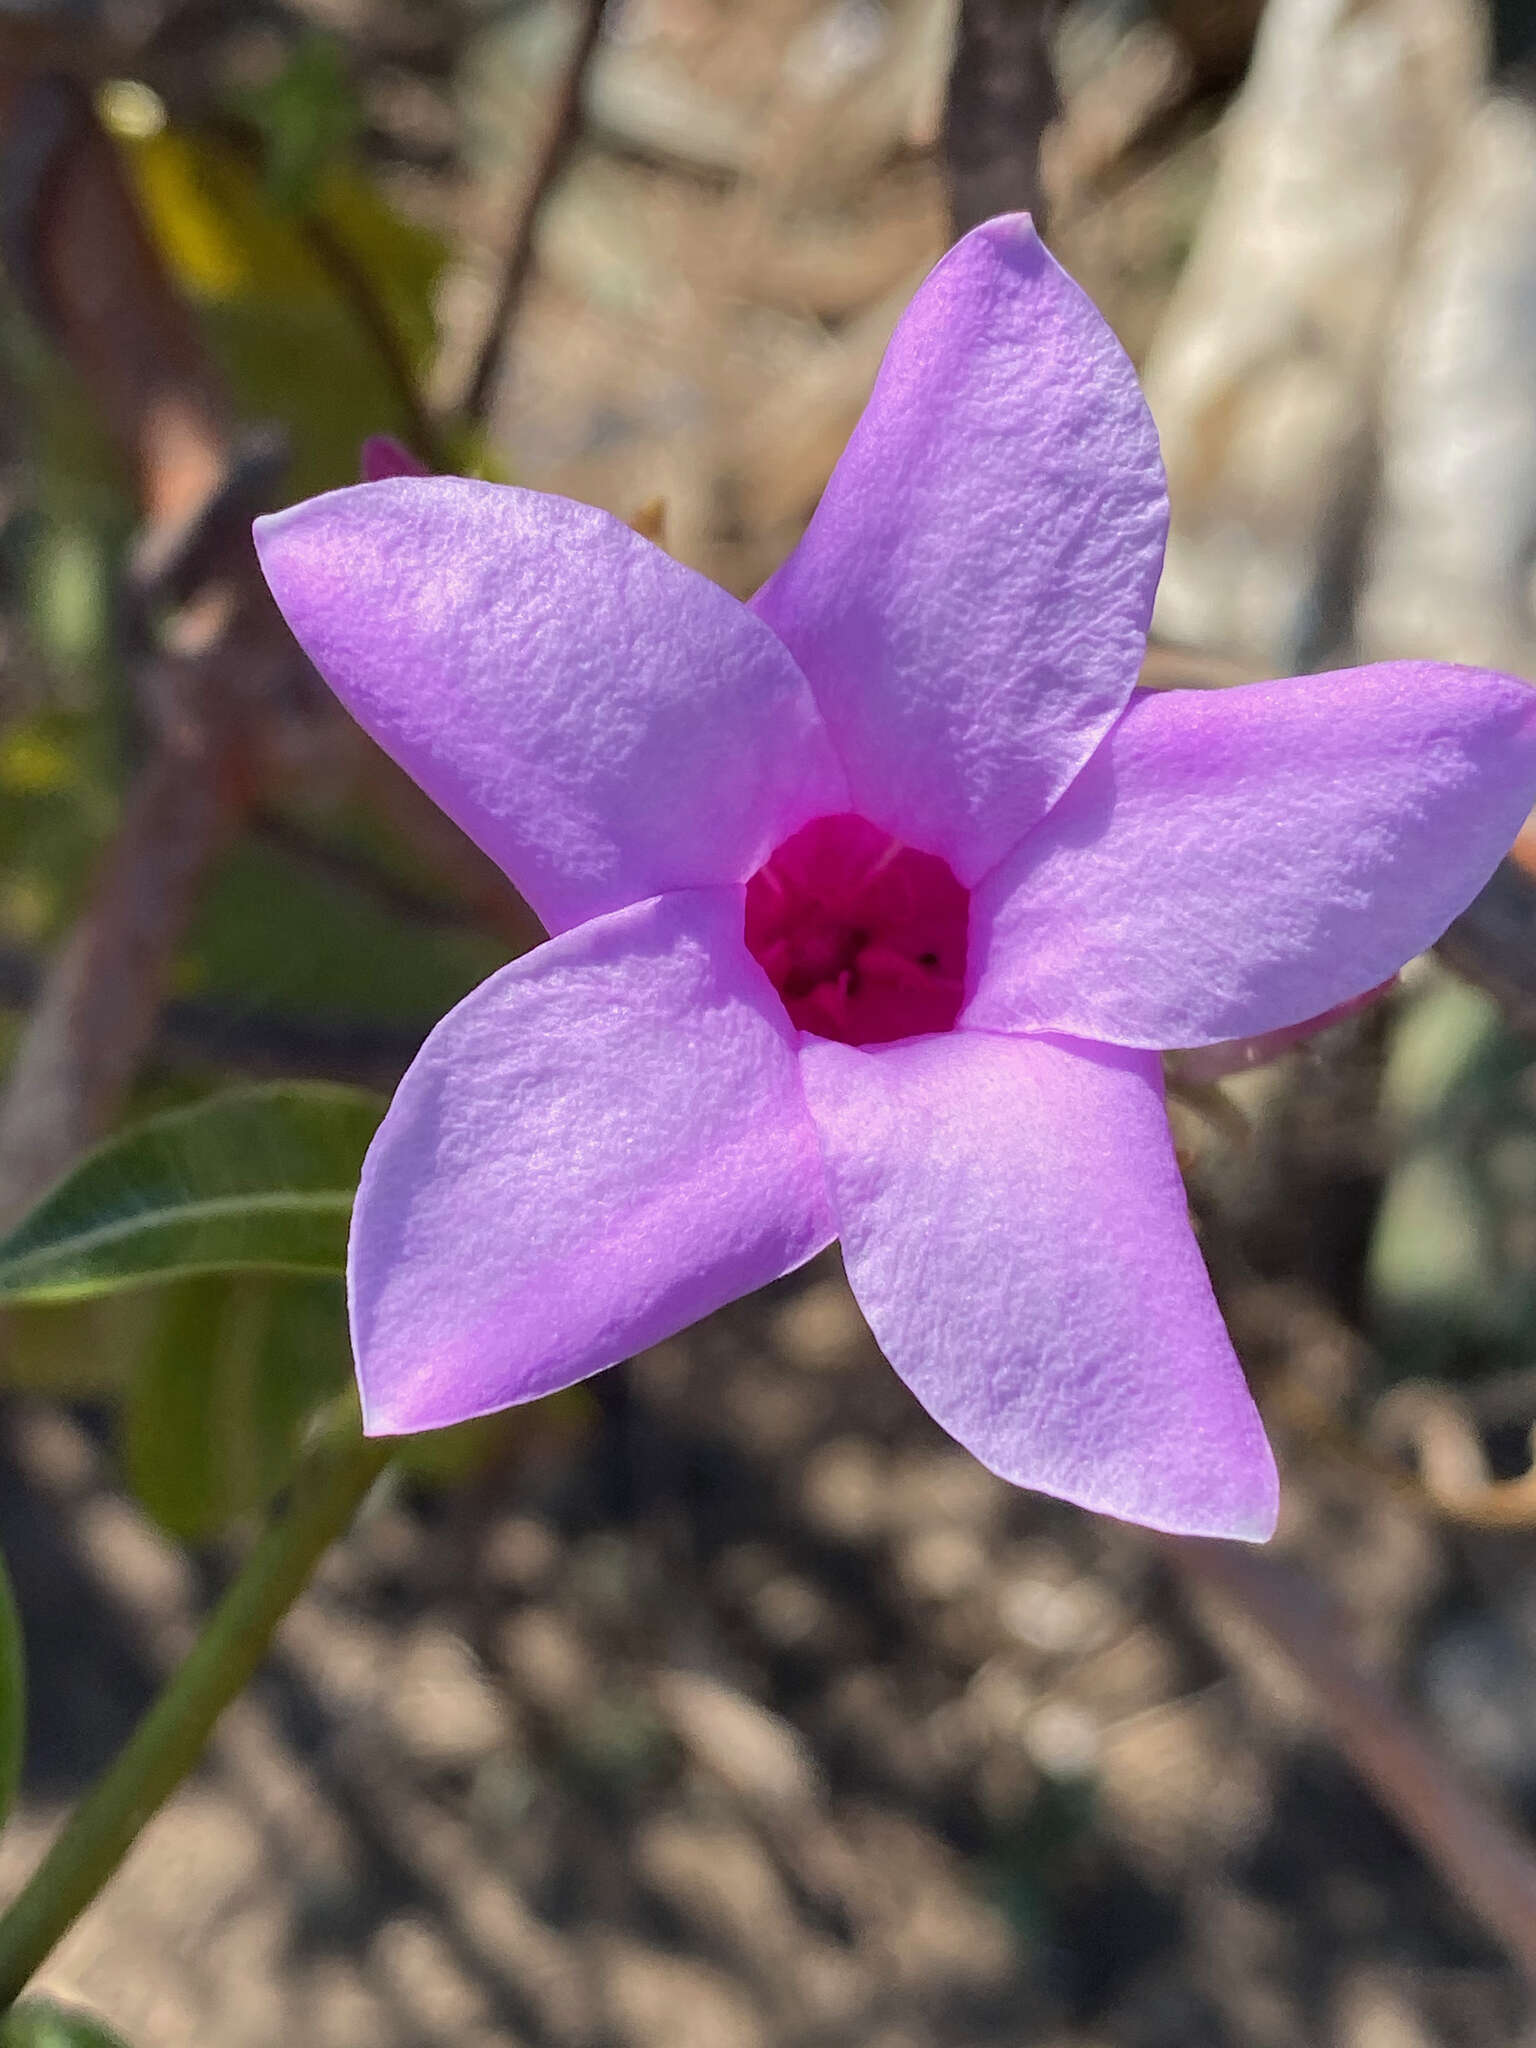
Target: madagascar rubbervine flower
872,903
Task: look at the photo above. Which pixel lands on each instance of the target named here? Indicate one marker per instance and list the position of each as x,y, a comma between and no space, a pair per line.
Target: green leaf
43,2023
233,1371
275,935
278,319
258,1179
13,1695
464,1450
309,116
1450,1276
76,1350
468,1450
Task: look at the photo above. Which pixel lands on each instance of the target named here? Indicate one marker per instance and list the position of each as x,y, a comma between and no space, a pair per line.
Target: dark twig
352,284
492,904
197,1036
199,1033
1490,1867
357,871
1002,97
560,139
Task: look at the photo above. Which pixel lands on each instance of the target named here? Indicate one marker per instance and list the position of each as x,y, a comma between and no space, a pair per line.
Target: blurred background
725,1703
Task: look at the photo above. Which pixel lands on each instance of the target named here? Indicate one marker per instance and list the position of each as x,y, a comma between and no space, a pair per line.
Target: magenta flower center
863,938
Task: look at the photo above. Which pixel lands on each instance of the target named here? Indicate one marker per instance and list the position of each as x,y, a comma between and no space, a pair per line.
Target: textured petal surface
1014,1230
971,599
602,721
604,1142
1232,861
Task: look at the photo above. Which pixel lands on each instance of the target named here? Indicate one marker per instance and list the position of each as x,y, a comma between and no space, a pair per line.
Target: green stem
327,1490
13,1695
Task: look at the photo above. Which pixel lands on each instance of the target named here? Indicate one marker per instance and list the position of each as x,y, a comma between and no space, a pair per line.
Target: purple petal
971,599
1232,861
1015,1232
604,1142
604,722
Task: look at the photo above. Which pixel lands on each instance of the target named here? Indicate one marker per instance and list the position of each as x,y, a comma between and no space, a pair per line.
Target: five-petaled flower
873,902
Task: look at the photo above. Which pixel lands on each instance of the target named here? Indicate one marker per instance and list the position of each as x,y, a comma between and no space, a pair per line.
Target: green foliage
77,1350
56,808
256,1179
227,1377
1031,1864
62,535
274,934
187,1273
279,293
232,1369
13,1696
449,1457
71,594
308,118
1451,1273
44,2023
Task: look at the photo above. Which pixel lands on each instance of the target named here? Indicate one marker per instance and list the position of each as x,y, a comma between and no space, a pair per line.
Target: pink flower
873,902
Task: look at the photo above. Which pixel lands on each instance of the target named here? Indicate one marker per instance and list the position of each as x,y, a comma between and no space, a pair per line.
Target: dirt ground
740,1707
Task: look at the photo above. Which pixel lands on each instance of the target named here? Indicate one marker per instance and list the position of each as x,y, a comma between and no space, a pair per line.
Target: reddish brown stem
1002,97
1461,1832
84,262
560,139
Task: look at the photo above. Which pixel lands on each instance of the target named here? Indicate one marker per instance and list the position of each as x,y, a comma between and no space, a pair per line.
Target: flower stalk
328,1488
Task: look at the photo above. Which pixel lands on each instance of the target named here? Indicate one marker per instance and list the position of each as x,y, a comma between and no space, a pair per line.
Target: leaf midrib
102,1235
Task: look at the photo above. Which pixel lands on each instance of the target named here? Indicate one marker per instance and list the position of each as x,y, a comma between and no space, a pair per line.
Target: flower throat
863,938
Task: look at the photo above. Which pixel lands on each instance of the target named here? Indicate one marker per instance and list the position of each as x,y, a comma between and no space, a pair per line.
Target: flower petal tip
266,529
1255,1524
275,535
382,1417
1245,1512
404,1409
1259,1531
1008,243
398,1398
1005,231
313,522
1500,708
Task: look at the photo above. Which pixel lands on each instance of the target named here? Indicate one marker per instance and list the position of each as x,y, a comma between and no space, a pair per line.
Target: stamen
864,938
